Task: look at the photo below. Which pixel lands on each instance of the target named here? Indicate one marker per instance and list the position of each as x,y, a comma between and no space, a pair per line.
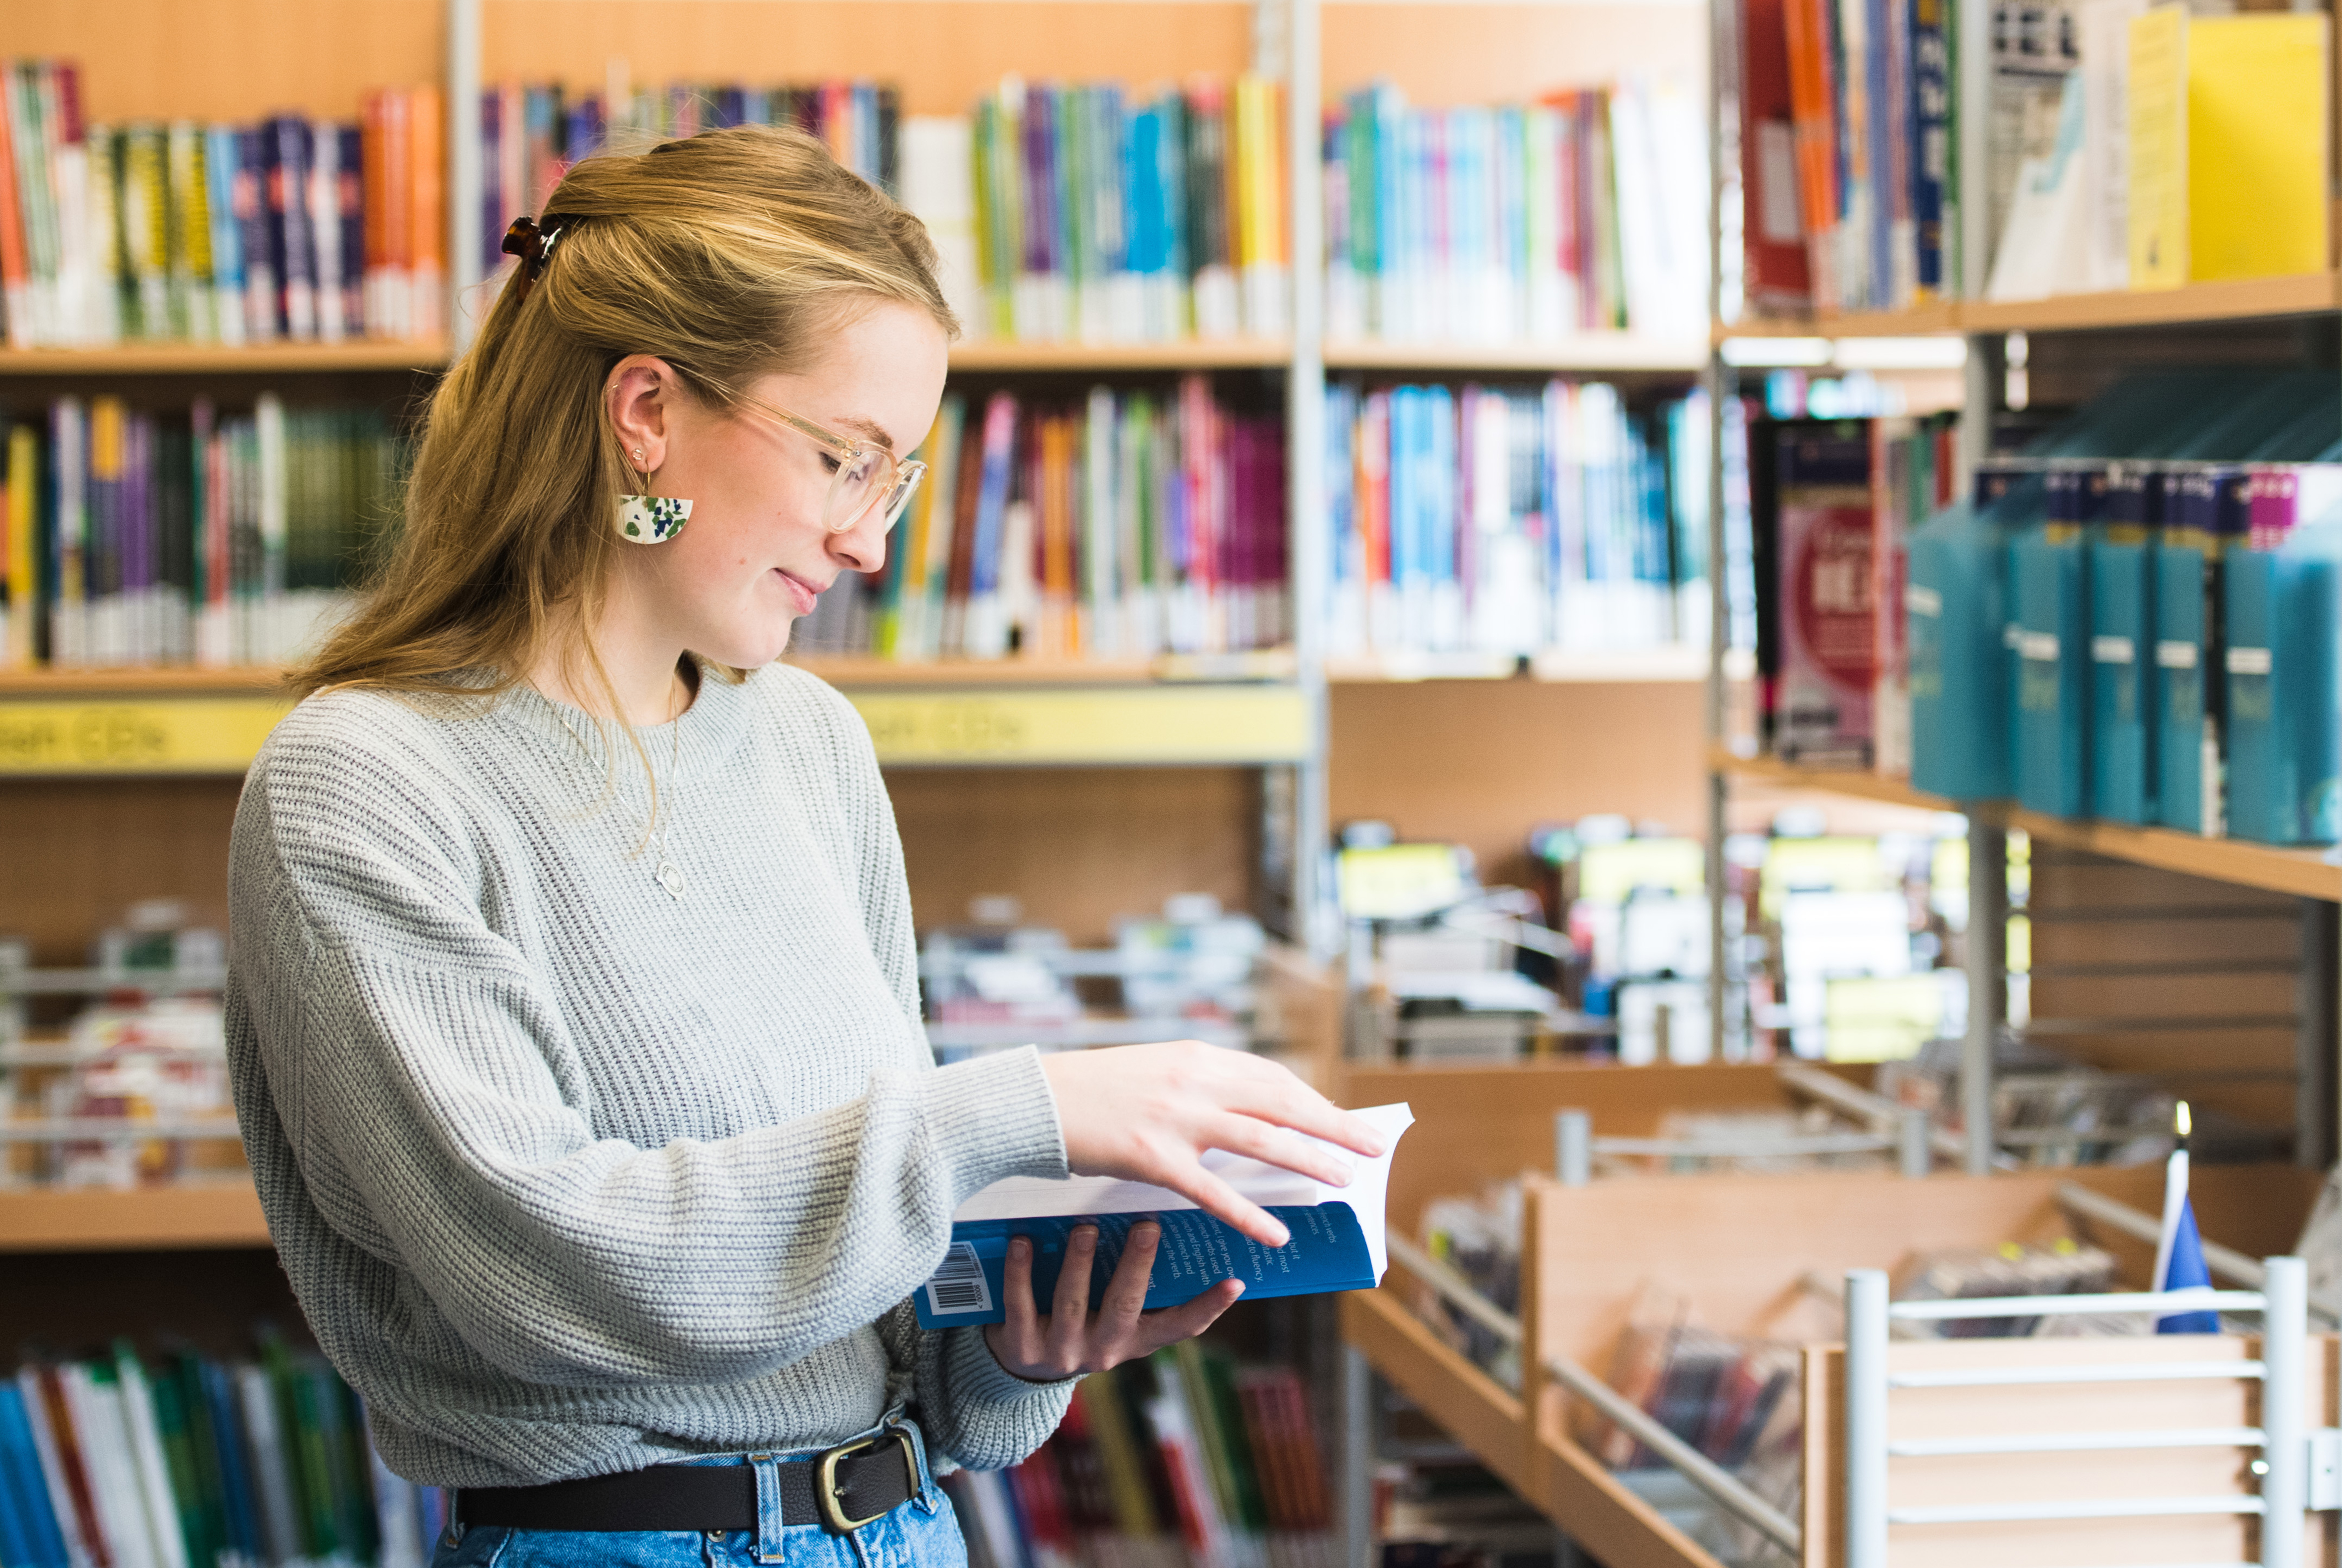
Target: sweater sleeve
431,1094
974,1411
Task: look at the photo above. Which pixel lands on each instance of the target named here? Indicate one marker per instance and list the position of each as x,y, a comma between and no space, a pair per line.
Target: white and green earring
648,519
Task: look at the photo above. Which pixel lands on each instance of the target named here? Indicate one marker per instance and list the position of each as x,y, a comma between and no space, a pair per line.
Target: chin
753,649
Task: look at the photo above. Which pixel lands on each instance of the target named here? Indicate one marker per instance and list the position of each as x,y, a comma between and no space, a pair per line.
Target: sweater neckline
702,734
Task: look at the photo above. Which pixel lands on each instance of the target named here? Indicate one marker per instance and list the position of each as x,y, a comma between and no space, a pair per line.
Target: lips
800,590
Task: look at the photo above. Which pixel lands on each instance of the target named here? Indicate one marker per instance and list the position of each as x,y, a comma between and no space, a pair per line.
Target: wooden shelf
213,359
2239,299
225,1214
1560,667
2301,873
1919,321
856,670
1854,782
1597,351
237,681
1189,354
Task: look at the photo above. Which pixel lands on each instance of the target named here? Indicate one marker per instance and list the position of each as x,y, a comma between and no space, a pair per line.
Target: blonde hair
729,254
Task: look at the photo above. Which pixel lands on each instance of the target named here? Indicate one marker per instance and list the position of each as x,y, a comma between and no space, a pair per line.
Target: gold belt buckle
826,1498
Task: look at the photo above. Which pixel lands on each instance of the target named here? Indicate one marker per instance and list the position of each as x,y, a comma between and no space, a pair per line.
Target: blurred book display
1101,213
180,1460
1582,212
115,1076
287,229
2121,142
1182,1458
196,536
1126,524
1506,520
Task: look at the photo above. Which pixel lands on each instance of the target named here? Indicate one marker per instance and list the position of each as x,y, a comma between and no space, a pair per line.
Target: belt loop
917,1440
770,1546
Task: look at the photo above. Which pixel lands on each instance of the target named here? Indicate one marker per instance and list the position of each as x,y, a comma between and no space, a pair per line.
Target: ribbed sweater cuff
978,1380
995,1117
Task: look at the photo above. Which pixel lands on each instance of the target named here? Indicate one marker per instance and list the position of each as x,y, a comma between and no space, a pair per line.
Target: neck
644,667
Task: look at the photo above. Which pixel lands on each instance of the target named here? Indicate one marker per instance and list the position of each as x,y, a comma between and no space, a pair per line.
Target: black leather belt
841,1489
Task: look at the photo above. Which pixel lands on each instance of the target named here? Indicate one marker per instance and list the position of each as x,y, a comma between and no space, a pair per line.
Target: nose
863,547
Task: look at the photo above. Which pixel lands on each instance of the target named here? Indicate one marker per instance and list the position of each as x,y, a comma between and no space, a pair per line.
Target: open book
1336,1233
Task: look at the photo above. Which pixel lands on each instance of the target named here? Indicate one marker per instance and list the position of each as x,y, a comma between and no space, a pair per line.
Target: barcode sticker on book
959,1285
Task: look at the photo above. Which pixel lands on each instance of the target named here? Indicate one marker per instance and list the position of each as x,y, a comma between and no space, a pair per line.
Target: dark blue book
291,245
1336,1236
263,318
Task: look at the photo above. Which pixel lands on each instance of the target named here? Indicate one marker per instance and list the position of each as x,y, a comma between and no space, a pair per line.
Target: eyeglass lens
872,478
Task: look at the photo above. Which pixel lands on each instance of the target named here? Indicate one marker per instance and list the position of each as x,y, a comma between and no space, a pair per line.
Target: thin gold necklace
665,872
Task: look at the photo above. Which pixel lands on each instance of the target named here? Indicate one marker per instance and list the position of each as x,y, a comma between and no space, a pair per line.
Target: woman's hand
1147,1112
1070,1339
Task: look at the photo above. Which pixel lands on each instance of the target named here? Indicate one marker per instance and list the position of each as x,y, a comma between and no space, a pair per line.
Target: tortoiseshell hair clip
534,243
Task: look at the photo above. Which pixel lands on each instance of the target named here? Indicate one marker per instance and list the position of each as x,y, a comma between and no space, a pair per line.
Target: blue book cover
1336,1234
1931,136
2282,644
2187,572
28,1524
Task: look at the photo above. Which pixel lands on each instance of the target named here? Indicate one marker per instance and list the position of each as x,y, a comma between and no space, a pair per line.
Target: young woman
574,1007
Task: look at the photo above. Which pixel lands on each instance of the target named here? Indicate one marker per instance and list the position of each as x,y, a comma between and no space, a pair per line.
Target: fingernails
1020,1249
1145,1235
1281,1237
1343,1172
1086,1236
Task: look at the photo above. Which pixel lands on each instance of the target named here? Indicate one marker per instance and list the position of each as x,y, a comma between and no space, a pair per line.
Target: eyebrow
867,427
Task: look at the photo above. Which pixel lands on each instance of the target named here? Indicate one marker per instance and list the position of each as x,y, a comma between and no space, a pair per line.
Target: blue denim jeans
921,1532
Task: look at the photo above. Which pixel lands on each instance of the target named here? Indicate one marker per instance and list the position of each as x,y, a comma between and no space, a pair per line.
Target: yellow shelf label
1127,724
1204,724
193,736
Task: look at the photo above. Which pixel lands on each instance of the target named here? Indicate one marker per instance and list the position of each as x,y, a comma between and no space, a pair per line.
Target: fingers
1188,1319
1070,1309
1269,1091
1274,1145
1019,1326
1189,1179
1126,1294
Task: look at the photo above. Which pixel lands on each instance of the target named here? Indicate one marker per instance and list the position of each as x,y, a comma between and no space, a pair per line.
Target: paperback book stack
1097,213
531,132
183,1461
1584,212
1182,1460
1130,524
1505,521
194,537
288,230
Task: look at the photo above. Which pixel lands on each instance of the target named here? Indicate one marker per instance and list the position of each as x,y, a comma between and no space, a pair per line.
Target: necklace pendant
669,875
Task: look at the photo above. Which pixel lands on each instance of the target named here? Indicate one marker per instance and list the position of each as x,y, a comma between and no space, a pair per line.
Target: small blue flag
2186,1270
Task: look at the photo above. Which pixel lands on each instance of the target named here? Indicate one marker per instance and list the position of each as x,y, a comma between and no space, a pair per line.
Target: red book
1772,229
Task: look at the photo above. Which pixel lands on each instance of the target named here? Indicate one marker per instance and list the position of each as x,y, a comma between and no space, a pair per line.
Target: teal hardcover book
2122,638
2280,661
1961,682
2051,575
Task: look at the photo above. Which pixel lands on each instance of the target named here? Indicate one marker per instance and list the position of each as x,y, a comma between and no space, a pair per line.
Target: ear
641,394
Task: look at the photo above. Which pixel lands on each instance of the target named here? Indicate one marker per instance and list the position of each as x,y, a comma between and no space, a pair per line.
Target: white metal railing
1900,1130
2283,1436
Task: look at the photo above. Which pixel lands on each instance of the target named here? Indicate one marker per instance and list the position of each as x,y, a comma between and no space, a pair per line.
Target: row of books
285,229
1586,211
530,134
189,537
2133,619
183,1462
2127,146
1505,521
1094,212
1180,1460
1132,522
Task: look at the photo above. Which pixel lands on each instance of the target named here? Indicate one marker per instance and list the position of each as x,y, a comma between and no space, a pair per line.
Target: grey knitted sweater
572,1176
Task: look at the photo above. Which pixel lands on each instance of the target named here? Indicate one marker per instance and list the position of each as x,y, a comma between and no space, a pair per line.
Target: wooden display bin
1739,1248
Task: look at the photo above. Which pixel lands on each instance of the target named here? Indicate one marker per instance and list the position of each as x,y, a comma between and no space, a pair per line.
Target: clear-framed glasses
869,477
